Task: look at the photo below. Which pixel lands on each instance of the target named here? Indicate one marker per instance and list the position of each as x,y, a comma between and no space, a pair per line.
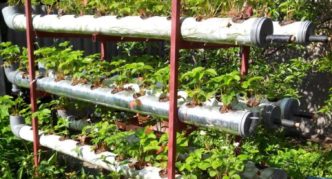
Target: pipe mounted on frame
251,32
239,122
255,31
242,121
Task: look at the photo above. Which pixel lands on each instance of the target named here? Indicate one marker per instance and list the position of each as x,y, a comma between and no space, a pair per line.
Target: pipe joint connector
16,124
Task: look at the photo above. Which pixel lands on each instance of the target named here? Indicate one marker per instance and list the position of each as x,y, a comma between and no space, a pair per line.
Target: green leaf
213,173
203,165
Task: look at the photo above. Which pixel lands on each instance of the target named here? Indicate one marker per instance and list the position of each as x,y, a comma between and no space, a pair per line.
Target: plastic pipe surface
213,30
235,122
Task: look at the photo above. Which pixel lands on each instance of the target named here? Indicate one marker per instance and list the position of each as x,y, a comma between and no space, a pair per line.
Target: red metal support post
173,85
32,77
103,50
245,52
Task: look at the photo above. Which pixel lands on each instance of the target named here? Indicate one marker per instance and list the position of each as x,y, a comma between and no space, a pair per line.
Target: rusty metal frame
173,87
176,44
32,78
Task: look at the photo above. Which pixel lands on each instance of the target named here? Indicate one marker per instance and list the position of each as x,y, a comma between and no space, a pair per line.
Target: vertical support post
32,78
103,50
245,51
173,85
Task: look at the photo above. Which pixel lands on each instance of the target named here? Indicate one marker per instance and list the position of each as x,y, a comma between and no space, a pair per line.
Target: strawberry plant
44,119
10,54
62,59
10,106
70,61
13,2
62,127
131,72
100,6
47,56
85,69
71,6
97,71
194,81
101,133
160,80
23,62
50,5
228,86
253,90
145,149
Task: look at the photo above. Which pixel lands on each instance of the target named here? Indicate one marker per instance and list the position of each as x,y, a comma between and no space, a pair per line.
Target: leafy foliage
228,85
160,80
194,81
209,154
10,106
9,53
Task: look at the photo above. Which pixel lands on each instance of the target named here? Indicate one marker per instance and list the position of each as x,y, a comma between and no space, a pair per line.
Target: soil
119,158
164,98
138,165
62,138
286,22
253,102
163,173
119,89
25,75
137,95
200,18
59,77
225,108
96,84
102,147
79,81
83,139
121,125
245,14
143,119
193,104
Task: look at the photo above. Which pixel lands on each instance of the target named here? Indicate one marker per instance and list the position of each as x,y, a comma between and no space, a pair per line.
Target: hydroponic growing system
183,33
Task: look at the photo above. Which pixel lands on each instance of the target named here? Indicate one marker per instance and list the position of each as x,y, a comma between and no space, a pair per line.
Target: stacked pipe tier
213,30
239,122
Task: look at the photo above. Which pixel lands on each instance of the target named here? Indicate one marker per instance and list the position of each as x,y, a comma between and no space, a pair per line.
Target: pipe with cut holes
213,30
239,122
303,32
106,160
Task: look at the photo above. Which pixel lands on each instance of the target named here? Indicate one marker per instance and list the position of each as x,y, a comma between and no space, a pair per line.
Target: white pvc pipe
213,30
301,30
239,122
104,160
107,160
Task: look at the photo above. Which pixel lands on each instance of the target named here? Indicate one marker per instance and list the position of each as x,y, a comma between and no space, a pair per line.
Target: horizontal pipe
288,123
106,160
319,38
301,30
237,122
213,30
276,39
